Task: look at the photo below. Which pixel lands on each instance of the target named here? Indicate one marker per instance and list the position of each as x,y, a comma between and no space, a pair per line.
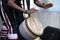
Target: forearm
15,6
38,3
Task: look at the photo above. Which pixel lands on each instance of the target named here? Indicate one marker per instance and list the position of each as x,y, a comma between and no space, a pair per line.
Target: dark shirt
13,14
15,17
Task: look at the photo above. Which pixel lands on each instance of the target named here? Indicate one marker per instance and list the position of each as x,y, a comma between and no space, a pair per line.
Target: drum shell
25,32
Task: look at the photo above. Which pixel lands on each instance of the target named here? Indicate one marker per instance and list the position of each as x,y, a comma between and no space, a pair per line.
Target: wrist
42,5
25,11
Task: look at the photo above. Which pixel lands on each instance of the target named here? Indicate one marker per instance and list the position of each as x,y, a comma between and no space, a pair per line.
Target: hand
45,6
33,10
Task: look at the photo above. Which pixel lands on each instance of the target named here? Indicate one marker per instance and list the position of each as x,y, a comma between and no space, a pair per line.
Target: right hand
32,10
45,6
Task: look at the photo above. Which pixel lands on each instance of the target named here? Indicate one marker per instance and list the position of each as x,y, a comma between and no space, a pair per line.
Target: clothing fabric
15,17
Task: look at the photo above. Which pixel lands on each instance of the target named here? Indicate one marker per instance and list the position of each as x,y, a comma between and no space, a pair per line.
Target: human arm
12,4
42,5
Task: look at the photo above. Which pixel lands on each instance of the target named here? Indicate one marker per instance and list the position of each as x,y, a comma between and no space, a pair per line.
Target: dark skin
12,4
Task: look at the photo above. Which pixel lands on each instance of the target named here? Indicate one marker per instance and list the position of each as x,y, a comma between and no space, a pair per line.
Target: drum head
35,25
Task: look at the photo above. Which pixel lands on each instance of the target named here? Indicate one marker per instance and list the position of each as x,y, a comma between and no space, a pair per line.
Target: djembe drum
31,28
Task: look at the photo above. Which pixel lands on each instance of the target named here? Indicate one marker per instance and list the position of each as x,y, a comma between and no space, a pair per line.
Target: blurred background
48,17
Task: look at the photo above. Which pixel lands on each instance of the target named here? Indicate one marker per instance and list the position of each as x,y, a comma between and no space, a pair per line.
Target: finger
35,10
50,4
47,6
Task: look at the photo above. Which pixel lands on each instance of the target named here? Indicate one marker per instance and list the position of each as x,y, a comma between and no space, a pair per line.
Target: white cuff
12,36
